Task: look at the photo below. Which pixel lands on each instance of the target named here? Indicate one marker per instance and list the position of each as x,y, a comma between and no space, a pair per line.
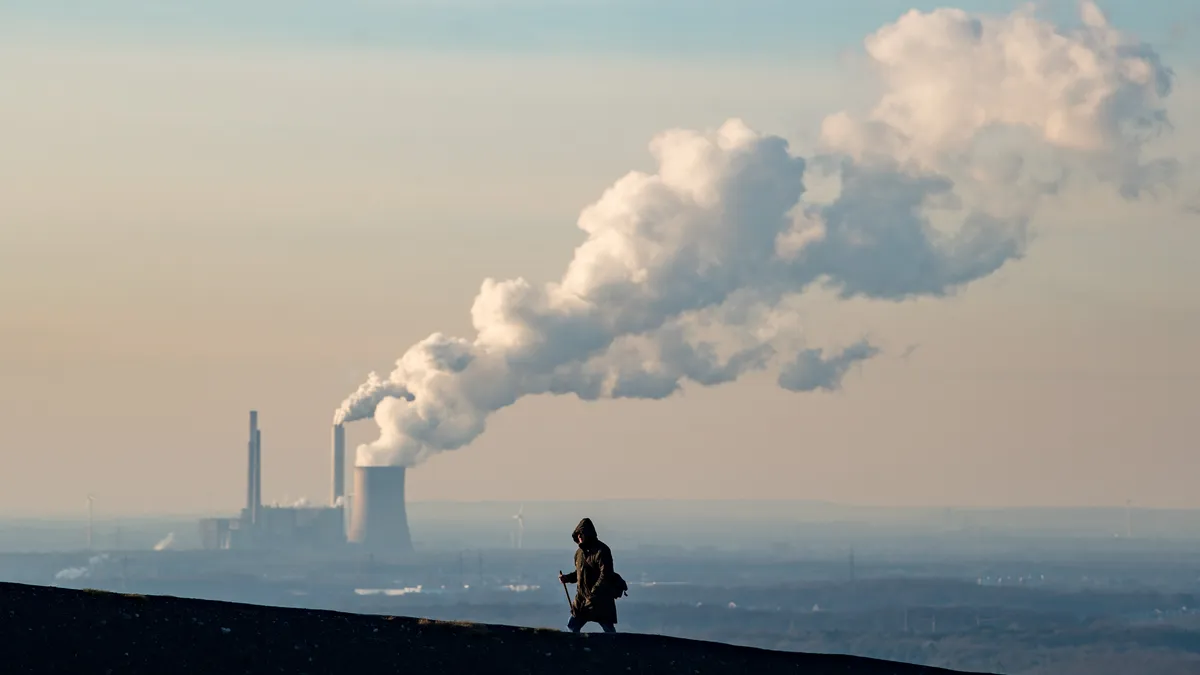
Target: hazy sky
208,207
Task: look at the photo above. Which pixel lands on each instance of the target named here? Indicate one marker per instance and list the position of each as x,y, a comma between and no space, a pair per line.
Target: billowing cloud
683,269
1000,99
812,370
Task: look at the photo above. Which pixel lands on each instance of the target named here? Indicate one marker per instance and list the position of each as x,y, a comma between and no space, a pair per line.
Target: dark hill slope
52,630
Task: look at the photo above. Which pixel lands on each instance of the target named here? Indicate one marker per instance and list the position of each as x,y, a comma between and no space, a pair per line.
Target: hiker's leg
575,624
608,628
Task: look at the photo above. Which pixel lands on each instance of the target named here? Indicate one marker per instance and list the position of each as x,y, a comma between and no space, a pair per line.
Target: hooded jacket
593,563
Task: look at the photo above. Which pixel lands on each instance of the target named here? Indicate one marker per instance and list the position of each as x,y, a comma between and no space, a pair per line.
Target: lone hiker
592,576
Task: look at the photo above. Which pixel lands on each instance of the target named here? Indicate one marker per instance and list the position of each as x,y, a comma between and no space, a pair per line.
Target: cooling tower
339,465
378,521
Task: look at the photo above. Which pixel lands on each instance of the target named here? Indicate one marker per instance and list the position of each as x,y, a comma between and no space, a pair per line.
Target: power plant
378,521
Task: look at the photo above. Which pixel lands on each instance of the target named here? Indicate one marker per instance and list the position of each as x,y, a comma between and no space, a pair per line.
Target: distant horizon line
62,516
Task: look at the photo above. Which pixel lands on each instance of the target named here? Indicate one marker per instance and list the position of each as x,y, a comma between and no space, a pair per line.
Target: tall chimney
253,465
339,464
257,474
378,521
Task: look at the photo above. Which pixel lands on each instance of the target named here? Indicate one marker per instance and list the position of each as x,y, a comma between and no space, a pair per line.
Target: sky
207,208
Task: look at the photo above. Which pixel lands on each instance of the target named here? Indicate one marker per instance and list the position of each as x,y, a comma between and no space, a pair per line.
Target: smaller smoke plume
73,573
362,403
301,503
166,543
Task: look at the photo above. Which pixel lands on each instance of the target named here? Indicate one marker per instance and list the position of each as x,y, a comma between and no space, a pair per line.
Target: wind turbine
520,518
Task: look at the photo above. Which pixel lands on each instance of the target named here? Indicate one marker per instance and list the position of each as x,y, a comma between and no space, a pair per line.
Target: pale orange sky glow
188,234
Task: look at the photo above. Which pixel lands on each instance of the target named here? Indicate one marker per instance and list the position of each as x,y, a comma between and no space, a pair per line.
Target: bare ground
53,630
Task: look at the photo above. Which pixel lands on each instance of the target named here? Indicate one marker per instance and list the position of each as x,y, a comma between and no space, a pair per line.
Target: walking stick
567,593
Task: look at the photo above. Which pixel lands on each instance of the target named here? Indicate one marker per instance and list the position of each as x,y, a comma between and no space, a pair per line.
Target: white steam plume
166,542
685,272
959,85
361,404
75,573
72,573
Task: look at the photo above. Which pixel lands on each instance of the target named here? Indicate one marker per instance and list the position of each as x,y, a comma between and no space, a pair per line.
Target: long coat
593,562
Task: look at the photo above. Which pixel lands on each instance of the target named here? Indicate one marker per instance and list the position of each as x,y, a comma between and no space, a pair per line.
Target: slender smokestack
252,464
257,474
339,464
378,521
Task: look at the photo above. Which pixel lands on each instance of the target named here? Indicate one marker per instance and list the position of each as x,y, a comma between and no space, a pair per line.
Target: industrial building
272,527
377,518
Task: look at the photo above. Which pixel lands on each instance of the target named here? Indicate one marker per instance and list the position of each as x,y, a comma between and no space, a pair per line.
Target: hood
585,528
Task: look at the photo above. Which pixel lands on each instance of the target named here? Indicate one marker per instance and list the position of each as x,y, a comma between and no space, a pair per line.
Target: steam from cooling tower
691,272
166,542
